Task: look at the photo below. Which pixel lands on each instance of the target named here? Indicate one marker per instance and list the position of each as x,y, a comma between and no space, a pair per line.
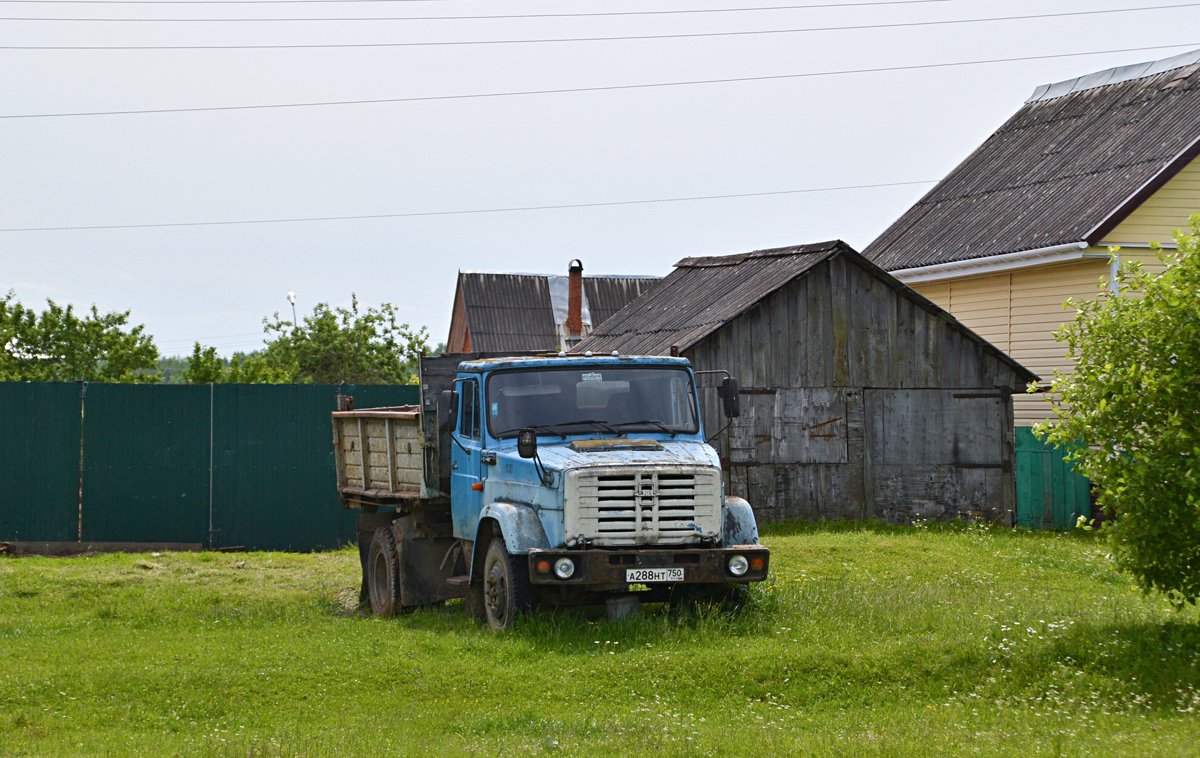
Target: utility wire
218,337
447,18
639,37
608,88
548,15
465,212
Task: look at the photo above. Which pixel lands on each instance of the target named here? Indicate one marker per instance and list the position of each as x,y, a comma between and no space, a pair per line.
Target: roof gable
701,295
1066,168
704,294
506,312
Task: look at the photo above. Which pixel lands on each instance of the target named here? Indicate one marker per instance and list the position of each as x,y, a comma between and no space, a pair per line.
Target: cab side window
468,419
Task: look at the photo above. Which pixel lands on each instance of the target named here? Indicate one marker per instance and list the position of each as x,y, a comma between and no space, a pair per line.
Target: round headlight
564,568
738,565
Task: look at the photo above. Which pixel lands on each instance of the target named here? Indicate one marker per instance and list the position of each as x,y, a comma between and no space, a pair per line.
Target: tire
383,573
366,525
473,603
507,591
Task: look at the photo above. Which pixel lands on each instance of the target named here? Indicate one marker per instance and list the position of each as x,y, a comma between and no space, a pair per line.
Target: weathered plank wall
396,465
860,402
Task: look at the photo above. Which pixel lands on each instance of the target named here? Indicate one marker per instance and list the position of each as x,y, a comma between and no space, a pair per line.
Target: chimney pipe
575,299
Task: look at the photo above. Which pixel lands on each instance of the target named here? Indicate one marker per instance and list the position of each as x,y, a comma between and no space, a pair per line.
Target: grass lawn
868,640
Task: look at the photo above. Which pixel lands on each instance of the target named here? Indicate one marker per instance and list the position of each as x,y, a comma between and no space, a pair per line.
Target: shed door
937,454
790,425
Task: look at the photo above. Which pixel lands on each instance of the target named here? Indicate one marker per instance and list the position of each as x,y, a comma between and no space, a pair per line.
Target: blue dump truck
544,479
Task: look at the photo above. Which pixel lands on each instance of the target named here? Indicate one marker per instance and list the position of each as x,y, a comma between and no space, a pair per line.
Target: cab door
466,483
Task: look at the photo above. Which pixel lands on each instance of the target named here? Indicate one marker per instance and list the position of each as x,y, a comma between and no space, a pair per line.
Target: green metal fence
252,465
274,484
145,463
1050,493
39,461
223,465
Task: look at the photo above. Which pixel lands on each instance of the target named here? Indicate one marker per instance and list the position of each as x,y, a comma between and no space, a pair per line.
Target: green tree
57,345
204,366
329,346
346,345
1133,400
257,368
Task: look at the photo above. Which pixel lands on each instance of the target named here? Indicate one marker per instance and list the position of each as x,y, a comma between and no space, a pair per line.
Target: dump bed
380,455
407,456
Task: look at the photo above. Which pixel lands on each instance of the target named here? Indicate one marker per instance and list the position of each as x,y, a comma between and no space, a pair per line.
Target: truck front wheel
383,573
507,590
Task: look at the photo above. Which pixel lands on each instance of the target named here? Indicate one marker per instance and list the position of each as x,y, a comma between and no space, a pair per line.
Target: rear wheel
507,591
383,573
366,526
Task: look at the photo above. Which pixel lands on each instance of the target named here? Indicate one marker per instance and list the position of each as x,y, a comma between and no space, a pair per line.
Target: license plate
643,576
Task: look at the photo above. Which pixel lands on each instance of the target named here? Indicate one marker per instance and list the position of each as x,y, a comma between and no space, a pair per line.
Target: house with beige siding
1028,219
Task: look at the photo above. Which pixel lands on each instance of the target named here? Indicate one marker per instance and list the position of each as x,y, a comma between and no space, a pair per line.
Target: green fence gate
1050,493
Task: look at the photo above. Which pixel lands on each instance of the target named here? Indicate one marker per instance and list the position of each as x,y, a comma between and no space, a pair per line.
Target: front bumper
594,567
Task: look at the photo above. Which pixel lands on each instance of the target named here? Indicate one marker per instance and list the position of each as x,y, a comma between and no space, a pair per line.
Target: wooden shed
860,398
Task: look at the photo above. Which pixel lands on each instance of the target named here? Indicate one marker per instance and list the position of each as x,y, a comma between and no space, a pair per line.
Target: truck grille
643,506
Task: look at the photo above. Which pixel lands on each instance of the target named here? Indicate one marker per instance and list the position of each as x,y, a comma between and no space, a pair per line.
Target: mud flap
423,570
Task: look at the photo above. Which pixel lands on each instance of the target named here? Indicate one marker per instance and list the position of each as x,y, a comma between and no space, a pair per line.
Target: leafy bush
1134,401
329,346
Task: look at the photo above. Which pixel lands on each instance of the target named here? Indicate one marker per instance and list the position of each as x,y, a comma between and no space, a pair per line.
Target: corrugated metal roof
1114,76
507,312
607,295
1067,167
700,296
703,294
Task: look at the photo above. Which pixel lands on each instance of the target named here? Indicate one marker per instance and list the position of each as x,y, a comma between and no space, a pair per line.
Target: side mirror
731,401
527,443
448,410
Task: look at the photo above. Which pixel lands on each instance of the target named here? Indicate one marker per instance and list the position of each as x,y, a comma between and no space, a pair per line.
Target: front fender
519,525
738,526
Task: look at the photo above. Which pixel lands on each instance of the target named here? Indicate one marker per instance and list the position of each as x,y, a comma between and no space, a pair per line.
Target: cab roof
555,360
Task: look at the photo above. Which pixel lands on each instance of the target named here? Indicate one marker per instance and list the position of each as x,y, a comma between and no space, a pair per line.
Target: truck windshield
611,399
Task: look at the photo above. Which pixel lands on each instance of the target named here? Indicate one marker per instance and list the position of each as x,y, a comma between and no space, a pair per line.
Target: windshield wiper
536,427
651,422
603,426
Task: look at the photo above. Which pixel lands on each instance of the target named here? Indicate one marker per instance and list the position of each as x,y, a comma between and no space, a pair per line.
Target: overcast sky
216,283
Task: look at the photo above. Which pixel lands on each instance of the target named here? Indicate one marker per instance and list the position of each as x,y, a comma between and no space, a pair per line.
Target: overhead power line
605,88
626,38
351,2
594,14
211,340
464,212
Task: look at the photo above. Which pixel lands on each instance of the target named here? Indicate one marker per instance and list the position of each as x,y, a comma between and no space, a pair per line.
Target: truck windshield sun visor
608,399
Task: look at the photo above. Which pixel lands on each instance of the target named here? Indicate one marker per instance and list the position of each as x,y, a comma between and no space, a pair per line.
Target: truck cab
577,479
